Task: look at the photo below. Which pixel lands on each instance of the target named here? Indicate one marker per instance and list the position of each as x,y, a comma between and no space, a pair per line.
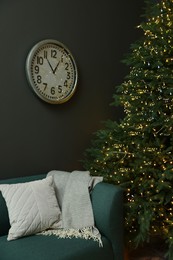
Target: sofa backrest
4,219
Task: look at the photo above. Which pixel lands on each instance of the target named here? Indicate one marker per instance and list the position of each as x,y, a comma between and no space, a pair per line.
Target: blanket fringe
85,233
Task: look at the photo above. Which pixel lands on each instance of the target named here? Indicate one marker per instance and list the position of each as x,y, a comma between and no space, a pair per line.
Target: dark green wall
35,136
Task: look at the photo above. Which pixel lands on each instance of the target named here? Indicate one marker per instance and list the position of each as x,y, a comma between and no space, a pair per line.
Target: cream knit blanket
73,195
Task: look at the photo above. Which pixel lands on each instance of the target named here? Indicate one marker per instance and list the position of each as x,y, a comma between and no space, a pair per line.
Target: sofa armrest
107,202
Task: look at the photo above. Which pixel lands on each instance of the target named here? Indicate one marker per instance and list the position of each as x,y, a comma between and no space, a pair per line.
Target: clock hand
50,65
56,67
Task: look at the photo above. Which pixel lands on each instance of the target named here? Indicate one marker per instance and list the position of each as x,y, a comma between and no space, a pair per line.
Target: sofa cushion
51,248
32,207
4,219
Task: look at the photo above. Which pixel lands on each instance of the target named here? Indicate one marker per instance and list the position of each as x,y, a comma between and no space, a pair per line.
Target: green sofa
107,202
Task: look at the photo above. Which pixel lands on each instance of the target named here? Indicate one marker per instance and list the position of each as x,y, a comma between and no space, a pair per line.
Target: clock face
51,71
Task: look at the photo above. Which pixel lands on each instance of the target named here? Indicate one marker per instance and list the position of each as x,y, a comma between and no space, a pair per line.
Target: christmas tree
137,152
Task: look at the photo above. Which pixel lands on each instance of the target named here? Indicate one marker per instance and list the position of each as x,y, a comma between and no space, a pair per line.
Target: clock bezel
29,61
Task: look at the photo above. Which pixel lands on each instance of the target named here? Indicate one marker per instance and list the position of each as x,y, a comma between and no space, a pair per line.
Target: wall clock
51,71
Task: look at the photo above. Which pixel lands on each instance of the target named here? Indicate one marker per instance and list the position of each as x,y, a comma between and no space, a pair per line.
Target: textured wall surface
36,137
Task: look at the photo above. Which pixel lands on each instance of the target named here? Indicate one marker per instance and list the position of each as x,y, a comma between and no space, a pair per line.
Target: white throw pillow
32,207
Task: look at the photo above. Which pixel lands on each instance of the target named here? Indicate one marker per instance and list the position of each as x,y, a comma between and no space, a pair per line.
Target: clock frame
51,71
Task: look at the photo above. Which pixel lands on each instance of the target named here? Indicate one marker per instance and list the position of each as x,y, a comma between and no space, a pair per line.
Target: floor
155,251
149,258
